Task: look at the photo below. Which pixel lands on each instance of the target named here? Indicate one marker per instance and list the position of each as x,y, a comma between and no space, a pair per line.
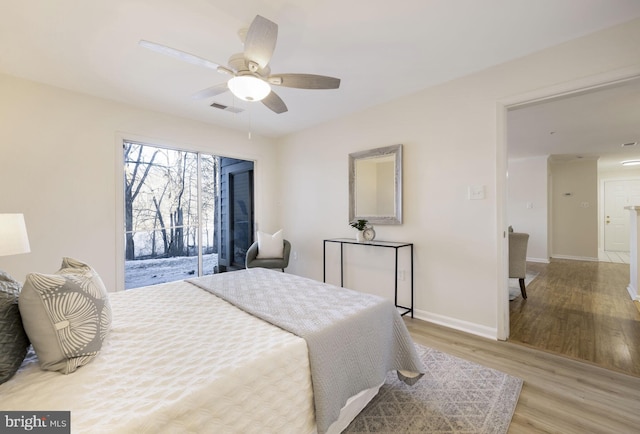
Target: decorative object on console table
369,233
360,225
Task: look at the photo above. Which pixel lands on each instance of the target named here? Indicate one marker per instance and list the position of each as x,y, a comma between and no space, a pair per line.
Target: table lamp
13,235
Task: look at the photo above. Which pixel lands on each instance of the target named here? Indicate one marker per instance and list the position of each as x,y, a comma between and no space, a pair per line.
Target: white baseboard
633,292
576,258
456,324
539,260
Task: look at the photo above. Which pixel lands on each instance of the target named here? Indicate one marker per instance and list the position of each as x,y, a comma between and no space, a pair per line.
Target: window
174,226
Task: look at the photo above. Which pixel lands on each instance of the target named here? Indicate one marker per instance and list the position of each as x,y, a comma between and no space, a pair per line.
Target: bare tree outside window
170,198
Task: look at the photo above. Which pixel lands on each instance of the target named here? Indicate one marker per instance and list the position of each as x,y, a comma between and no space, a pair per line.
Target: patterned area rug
454,396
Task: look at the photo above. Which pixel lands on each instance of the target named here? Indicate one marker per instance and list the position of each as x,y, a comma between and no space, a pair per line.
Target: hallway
580,310
615,257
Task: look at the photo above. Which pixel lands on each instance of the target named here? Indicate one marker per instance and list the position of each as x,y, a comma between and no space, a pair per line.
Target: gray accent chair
518,258
252,260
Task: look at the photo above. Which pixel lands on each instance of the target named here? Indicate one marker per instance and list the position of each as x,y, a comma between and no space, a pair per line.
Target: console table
384,244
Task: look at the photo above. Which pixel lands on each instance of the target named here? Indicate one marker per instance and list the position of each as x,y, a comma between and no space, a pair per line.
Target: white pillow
270,246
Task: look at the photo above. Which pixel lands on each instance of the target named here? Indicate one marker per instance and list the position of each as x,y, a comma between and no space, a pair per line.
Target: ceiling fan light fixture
251,74
249,88
631,163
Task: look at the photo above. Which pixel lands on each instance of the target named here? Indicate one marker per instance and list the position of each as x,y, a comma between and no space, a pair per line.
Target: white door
617,195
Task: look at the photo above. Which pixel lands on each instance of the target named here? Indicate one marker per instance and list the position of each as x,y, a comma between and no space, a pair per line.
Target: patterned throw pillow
13,339
66,315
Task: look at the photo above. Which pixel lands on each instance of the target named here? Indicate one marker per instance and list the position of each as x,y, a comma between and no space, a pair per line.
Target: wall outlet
295,255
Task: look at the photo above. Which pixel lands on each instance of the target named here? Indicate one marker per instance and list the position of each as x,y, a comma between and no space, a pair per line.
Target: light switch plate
476,192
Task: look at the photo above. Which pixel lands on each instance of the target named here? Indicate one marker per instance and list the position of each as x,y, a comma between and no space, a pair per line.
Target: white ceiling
594,125
380,49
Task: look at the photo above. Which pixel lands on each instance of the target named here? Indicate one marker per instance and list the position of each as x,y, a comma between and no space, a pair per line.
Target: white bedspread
179,360
354,339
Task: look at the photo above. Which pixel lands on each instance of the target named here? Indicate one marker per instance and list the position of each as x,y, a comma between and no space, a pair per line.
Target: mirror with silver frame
375,185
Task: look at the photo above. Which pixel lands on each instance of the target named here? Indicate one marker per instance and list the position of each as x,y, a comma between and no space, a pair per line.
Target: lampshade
249,88
13,235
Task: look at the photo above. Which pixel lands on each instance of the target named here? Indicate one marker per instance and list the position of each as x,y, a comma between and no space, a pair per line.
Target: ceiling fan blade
275,103
260,41
182,55
305,81
211,91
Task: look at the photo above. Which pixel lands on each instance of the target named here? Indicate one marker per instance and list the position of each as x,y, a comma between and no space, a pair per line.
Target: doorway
550,137
617,194
236,213
186,213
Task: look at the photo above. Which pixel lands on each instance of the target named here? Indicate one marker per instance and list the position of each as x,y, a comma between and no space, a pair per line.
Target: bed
179,358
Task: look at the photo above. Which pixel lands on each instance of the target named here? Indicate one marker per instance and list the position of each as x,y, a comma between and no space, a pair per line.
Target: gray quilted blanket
354,339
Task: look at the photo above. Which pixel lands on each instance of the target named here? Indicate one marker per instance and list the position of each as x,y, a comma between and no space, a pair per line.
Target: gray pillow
13,339
66,315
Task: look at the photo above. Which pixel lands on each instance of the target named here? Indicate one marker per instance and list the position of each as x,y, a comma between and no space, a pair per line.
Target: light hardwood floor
581,310
559,395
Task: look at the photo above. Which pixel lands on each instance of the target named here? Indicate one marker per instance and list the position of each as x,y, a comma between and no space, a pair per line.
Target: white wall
528,186
527,203
59,150
452,140
59,154
574,211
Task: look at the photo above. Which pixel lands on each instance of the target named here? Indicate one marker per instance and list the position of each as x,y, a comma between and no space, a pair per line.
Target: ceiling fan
251,75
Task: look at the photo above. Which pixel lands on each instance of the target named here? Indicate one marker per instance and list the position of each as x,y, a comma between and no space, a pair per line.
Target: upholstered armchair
252,259
518,258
